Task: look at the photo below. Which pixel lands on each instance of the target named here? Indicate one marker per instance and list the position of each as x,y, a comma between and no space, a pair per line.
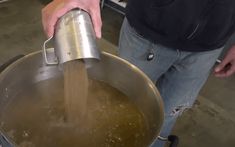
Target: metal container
118,73
74,38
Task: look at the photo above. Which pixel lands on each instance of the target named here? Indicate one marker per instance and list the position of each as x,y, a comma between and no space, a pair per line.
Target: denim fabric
178,75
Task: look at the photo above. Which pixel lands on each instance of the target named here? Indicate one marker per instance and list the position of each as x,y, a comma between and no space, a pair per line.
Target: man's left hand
227,67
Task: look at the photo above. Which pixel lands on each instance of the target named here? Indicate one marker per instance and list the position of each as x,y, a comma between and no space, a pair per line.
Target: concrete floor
210,123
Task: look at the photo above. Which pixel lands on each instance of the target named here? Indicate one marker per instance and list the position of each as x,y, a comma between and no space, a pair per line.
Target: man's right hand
57,8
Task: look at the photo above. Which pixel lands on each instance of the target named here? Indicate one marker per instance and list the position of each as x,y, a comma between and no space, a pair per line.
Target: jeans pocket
131,30
132,44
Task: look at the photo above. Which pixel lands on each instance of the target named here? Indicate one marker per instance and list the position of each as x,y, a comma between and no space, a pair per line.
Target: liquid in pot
37,118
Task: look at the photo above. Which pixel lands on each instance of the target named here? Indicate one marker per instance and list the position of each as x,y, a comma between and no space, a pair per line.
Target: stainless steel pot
113,70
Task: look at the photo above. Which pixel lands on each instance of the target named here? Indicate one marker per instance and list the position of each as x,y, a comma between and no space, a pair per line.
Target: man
175,42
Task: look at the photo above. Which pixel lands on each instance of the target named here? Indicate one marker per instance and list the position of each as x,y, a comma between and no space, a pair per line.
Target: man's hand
227,67
57,8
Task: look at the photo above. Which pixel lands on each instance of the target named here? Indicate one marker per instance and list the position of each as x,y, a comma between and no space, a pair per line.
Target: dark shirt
189,25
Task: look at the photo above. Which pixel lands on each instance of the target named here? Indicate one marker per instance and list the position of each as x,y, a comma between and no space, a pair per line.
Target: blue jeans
179,75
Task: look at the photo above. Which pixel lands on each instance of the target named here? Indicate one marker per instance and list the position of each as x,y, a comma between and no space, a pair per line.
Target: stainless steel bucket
113,70
74,38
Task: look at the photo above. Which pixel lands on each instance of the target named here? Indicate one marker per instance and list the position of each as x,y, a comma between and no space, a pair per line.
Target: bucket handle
45,53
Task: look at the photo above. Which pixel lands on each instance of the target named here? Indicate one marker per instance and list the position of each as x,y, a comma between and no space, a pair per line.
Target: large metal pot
113,70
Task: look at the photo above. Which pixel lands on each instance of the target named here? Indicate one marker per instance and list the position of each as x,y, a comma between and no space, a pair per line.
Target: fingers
49,26
225,69
51,14
221,65
228,71
48,19
231,71
96,20
57,8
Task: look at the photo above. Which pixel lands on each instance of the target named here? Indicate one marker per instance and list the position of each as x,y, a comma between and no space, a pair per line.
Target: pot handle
174,140
9,62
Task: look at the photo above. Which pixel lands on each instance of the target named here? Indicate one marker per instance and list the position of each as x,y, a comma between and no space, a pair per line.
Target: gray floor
210,123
